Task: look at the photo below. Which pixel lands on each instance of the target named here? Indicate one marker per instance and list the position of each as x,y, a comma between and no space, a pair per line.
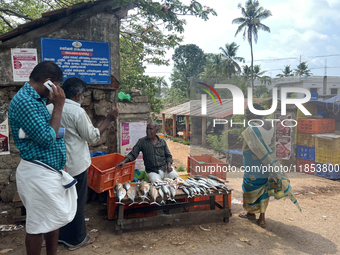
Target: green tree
246,73
213,66
266,80
260,90
189,62
132,74
174,97
286,72
257,72
229,59
302,69
250,23
218,143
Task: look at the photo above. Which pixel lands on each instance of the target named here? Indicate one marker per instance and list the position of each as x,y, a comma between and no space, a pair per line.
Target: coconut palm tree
250,23
246,72
213,67
302,69
257,72
230,59
286,72
266,80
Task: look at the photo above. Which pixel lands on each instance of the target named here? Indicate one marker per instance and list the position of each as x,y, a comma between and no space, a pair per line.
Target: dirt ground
314,231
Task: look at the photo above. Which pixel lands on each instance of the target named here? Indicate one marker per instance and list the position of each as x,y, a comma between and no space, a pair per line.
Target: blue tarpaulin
234,152
332,104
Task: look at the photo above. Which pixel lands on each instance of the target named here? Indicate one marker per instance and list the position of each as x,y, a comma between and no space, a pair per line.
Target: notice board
87,60
130,133
4,138
23,62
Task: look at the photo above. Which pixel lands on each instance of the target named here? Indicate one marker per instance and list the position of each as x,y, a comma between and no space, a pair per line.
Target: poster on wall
23,62
4,138
131,132
283,137
87,60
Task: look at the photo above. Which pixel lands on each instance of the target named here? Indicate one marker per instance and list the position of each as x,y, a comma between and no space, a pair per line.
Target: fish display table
174,217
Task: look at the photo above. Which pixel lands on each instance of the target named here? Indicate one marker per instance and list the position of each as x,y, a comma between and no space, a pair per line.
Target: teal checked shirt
28,111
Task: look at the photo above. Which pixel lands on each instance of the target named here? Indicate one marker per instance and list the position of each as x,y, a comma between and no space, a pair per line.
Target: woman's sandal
245,215
264,225
87,241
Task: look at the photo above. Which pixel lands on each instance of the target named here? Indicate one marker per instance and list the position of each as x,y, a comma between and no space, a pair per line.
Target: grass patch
181,168
178,140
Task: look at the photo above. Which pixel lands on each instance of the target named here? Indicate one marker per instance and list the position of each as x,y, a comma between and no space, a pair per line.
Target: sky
306,30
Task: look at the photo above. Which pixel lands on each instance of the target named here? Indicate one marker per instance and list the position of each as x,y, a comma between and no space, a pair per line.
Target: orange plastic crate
305,166
316,126
218,198
205,165
111,208
102,175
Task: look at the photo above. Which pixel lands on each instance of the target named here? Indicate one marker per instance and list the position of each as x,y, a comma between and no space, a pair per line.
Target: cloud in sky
304,29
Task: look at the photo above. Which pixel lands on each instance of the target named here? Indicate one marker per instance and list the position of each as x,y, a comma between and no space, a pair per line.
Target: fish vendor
156,155
47,192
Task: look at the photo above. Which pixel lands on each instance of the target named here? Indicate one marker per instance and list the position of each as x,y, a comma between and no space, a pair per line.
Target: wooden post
187,125
163,123
204,131
174,126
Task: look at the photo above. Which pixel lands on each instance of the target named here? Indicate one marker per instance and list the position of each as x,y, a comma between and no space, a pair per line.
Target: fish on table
120,194
132,193
161,193
126,186
154,194
118,186
144,189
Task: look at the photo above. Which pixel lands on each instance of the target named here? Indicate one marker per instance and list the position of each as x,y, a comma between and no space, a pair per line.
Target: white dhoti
49,196
161,175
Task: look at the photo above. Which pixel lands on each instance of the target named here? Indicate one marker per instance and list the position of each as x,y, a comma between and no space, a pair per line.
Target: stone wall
97,23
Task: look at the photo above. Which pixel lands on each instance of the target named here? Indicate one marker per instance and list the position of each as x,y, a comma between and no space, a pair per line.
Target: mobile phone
48,84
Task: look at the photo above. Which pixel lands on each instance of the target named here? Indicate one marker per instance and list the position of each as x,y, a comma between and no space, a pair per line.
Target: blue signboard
87,60
314,96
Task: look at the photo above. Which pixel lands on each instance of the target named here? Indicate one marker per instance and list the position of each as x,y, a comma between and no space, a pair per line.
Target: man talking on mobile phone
47,192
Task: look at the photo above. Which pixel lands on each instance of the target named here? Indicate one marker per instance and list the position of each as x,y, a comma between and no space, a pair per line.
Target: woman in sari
263,175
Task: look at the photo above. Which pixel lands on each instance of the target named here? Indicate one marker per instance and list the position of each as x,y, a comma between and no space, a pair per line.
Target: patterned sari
259,185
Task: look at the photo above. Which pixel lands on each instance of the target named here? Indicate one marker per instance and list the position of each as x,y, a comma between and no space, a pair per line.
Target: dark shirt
155,157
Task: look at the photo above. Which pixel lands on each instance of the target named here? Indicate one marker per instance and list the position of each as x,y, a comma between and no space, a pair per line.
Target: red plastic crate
218,198
102,175
305,166
205,165
111,208
316,126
